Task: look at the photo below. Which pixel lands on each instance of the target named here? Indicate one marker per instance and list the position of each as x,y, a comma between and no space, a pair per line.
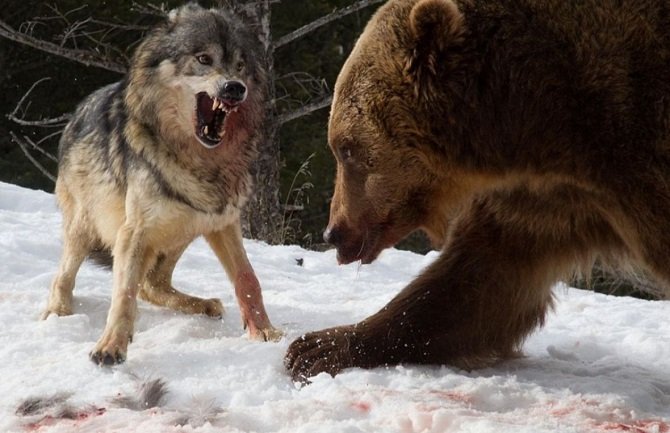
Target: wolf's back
94,139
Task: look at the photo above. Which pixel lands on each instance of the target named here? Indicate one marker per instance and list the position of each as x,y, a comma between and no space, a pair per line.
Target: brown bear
527,138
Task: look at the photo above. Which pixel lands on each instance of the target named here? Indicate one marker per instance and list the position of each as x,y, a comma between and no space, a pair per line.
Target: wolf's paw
58,310
212,308
110,350
104,358
266,334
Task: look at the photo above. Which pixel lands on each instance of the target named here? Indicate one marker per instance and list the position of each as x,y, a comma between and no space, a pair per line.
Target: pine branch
88,58
337,14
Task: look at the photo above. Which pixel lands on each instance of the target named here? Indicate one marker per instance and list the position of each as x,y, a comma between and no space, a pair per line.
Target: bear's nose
233,91
333,236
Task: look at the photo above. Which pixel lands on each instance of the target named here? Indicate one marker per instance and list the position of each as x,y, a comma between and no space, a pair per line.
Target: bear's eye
346,154
204,59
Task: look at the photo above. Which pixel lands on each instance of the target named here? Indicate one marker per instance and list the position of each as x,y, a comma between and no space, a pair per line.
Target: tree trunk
262,217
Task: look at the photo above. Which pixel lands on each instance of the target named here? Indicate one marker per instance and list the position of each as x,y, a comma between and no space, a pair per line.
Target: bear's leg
490,287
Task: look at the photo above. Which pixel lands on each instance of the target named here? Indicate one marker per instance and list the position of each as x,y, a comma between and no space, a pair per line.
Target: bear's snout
346,242
333,236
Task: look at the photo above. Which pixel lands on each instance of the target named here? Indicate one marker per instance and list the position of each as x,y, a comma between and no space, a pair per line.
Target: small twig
307,82
337,14
38,148
304,110
36,163
44,123
149,9
120,26
53,122
45,138
23,98
86,57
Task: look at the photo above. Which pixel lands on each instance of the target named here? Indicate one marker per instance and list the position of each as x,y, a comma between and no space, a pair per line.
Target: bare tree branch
304,110
42,140
86,57
24,148
150,9
337,14
88,28
45,123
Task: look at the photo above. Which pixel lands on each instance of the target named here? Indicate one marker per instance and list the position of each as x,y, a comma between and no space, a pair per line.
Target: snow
600,364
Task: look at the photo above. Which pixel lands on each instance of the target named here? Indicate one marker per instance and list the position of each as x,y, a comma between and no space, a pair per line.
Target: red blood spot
70,417
95,411
571,408
361,406
453,396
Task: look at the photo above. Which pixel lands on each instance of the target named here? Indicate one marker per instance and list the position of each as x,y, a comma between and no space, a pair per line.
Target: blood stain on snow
640,426
361,406
71,417
558,410
456,396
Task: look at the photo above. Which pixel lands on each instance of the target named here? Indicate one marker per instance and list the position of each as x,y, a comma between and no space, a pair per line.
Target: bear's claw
329,351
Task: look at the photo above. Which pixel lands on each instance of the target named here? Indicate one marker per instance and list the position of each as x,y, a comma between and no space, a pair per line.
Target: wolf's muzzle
233,92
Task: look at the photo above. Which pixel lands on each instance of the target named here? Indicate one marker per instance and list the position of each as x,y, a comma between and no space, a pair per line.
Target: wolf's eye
240,66
204,59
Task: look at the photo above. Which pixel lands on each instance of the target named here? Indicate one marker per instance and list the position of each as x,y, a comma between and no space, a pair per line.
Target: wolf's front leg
227,244
132,259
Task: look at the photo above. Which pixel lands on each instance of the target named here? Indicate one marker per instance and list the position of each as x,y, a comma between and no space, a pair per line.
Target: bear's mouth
366,253
364,246
210,118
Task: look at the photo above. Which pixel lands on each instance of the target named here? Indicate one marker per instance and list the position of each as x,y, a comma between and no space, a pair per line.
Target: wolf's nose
233,90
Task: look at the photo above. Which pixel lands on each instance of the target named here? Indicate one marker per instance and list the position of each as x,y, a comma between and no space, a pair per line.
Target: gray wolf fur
149,163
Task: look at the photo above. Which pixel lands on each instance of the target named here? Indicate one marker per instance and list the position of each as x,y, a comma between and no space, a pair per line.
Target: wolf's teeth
205,130
214,104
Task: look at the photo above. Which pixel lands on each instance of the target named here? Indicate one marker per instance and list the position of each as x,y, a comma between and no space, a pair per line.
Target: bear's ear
435,25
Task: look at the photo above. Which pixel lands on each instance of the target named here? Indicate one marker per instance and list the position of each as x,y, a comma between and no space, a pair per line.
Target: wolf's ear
178,13
435,25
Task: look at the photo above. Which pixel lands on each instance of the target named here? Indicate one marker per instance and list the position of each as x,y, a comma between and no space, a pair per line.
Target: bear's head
390,170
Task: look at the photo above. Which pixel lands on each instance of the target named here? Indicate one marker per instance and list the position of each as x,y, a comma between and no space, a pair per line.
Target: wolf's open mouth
210,117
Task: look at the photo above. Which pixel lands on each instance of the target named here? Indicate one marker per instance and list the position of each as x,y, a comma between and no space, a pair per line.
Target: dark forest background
304,69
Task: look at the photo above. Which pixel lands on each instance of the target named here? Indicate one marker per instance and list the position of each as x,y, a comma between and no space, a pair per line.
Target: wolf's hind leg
76,246
157,289
60,294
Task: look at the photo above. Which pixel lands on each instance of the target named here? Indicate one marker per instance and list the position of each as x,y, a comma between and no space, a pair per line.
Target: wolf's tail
102,256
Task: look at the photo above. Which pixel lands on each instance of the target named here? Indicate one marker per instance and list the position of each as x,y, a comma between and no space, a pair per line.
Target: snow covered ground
601,364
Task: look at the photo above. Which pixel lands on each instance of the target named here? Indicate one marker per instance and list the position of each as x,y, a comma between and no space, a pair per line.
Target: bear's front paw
330,350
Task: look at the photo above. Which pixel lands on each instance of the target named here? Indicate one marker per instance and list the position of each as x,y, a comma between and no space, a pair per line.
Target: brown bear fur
528,138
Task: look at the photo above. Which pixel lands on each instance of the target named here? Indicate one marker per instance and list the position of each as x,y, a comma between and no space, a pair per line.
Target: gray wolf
528,138
149,163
